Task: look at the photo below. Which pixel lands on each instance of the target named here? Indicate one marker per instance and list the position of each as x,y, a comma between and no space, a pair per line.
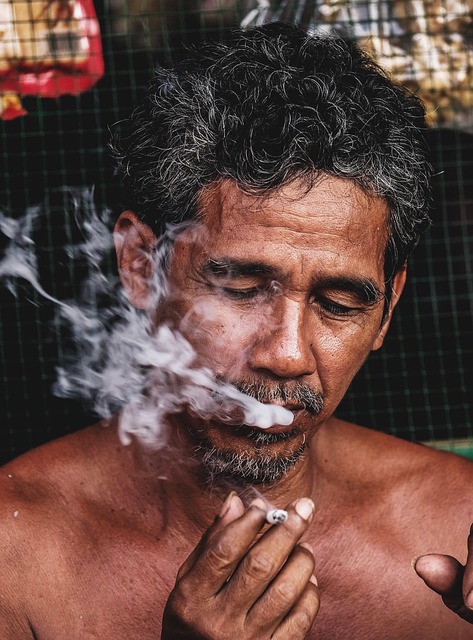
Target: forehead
333,215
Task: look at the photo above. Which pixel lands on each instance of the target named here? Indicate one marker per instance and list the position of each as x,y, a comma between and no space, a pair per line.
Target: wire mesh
418,386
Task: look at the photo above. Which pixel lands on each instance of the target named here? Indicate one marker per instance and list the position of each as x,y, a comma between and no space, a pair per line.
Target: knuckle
285,593
303,620
179,605
259,565
307,558
313,599
219,555
306,611
294,526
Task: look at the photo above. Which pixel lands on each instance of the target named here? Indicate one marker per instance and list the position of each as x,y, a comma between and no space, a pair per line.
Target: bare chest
114,588
118,589
369,591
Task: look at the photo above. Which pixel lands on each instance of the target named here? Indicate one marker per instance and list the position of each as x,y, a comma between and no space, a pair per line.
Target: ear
398,286
134,245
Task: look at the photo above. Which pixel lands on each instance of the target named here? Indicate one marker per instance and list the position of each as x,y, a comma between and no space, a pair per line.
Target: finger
468,574
222,550
444,575
266,557
300,619
232,508
283,592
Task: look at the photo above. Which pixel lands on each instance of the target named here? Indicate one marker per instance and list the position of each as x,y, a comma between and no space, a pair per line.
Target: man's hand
234,585
450,579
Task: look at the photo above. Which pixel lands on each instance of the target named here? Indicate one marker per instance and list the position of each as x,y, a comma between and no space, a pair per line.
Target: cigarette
276,516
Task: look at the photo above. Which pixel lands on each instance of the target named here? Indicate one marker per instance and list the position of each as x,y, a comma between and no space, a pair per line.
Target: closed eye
338,310
241,294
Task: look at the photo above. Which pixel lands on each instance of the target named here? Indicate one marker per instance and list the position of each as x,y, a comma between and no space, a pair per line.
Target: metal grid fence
419,385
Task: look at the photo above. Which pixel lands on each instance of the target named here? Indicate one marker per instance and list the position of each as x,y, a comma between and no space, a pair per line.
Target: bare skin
101,540
95,547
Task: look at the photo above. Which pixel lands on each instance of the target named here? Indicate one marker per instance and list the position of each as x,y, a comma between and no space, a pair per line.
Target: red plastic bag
47,49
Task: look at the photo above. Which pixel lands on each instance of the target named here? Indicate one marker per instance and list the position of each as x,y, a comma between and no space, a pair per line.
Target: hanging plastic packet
47,49
427,45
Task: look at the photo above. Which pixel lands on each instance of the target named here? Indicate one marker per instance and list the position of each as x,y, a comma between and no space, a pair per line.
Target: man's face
282,296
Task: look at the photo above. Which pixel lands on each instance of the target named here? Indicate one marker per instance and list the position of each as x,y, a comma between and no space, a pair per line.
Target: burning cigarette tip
276,516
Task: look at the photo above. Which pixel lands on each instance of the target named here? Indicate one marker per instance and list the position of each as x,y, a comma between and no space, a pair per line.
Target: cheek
220,336
339,358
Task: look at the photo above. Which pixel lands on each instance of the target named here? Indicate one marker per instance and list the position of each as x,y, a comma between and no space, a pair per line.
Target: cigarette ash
119,361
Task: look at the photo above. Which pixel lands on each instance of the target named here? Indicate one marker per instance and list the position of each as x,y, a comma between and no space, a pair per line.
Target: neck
191,493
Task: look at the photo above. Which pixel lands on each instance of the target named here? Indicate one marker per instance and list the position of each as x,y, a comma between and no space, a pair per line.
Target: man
297,170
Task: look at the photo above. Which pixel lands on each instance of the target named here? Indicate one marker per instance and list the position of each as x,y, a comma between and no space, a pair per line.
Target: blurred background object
47,48
427,45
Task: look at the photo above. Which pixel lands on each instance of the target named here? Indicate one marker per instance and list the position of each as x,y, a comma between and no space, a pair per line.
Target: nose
283,346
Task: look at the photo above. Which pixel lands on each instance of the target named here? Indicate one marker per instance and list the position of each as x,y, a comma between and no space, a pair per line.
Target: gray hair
269,105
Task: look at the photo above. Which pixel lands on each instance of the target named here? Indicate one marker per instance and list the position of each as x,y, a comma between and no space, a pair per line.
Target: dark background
417,387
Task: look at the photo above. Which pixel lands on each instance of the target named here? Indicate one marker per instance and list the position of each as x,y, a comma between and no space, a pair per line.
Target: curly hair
268,105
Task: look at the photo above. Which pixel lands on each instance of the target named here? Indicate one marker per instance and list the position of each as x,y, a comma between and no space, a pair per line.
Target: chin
265,459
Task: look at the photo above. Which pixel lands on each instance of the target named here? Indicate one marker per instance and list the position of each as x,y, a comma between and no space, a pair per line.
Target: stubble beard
260,466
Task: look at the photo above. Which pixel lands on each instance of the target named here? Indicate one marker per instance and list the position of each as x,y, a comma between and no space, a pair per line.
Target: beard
261,466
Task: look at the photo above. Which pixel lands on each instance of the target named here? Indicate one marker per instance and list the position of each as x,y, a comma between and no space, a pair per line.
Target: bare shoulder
43,491
70,516
40,478
39,495
57,467
394,458
392,501
425,491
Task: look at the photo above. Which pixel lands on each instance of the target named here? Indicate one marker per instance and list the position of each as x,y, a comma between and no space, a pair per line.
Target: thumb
444,575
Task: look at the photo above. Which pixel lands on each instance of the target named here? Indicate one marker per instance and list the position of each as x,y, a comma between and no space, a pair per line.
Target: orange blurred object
47,49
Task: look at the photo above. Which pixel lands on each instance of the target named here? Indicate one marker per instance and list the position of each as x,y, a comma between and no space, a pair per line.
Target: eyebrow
229,267
364,289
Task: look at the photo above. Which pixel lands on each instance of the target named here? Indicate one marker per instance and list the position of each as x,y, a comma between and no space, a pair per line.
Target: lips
297,412
240,419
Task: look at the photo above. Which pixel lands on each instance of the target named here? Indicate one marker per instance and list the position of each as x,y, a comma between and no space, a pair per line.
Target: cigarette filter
276,516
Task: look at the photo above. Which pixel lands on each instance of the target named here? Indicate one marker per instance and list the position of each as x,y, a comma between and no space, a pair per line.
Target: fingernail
469,600
313,579
305,508
259,503
226,504
307,546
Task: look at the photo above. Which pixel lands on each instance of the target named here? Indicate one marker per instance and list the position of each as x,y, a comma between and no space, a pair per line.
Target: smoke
20,260
120,362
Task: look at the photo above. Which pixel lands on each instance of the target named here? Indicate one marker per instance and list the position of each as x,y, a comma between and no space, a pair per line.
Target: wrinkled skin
269,309
264,590
101,540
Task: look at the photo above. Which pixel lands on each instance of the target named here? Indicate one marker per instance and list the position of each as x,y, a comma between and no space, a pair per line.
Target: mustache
283,393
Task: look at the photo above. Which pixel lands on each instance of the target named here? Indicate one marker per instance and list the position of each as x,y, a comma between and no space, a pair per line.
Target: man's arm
236,585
